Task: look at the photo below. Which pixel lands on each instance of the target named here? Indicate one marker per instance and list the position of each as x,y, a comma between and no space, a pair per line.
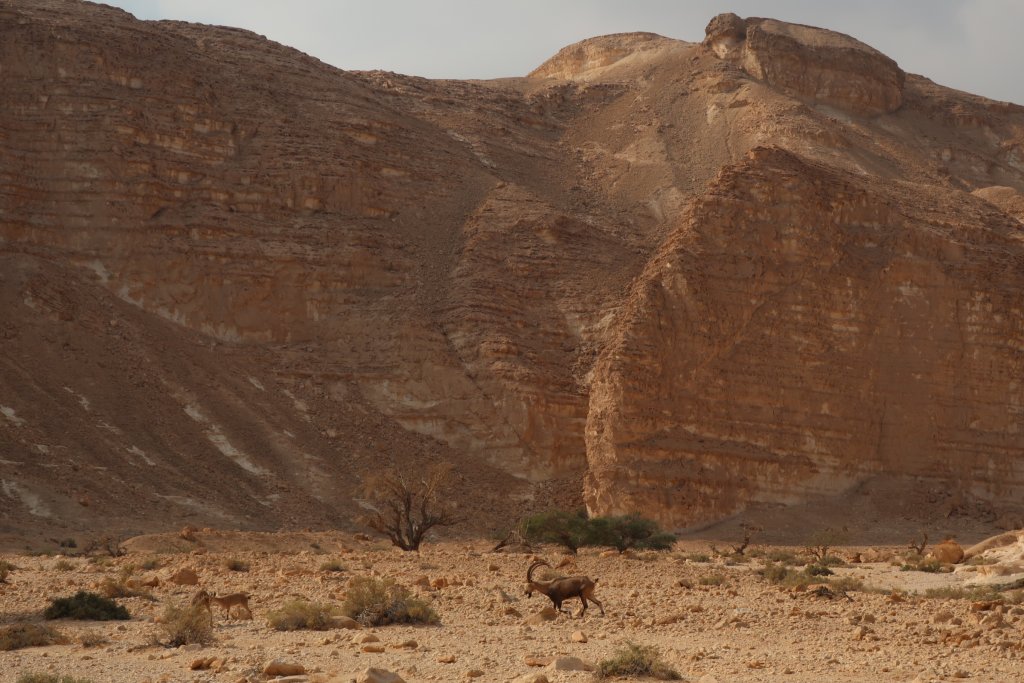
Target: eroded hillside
652,276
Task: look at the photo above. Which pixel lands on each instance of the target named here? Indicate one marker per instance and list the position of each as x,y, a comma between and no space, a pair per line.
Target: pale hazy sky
972,45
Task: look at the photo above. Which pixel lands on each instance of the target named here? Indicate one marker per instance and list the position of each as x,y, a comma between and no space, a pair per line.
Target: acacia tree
406,507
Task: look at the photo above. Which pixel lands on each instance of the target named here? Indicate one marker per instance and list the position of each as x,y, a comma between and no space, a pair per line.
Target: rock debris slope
652,276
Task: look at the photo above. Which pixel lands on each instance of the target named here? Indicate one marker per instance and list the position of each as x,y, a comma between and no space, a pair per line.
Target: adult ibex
562,589
226,602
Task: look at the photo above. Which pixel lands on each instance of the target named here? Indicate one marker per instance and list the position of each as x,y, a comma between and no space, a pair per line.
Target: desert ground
711,614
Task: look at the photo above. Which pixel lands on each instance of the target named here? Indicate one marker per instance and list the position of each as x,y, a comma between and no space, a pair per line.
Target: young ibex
226,602
562,589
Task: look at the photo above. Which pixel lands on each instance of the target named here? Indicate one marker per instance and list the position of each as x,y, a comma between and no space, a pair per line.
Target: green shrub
637,660
300,614
17,636
818,570
626,532
84,605
186,625
236,565
570,530
376,602
50,678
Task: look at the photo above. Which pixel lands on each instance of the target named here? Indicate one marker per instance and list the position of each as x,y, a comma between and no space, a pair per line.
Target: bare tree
406,507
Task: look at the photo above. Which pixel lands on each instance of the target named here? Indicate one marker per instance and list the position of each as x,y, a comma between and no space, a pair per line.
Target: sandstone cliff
651,275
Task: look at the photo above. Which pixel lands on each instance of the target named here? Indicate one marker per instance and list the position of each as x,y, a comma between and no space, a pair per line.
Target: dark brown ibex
562,589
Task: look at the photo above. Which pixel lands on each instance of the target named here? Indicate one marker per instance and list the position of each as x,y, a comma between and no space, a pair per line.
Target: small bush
150,564
818,570
84,605
50,678
847,584
697,557
963,593
119,588
63,565
376,602
928,564
627,532
782,575
91,639
332,566
300,614
186,625
637,660
236,565
782,556
17,636
712,580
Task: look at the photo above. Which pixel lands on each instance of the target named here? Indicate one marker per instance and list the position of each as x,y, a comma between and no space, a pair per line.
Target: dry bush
5,569
63,565
87,606
91,639
186,625
236,565
405,509
637,660
301,614
377,602
17,636
332,566
49,678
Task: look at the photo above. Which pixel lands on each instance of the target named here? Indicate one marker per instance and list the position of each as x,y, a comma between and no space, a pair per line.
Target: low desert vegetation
332,566
63,565
49,678
632,660
122,587
86,606
17,636
301,614
574,530
712,580
91,639
235,565
378,602
5,569
186,625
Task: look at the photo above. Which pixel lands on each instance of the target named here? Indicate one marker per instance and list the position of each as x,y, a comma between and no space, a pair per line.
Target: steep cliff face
663,277
804,330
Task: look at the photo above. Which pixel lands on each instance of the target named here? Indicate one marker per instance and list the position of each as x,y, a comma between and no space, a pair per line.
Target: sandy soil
711,620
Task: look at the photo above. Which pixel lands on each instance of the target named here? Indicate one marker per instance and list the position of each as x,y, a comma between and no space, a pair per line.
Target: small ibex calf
225,602
562,589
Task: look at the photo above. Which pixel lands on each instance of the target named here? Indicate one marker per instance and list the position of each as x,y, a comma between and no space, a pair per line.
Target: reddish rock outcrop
235,279
814,63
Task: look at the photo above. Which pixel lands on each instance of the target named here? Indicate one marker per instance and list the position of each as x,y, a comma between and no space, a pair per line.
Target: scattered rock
446,659
185,576
947,552
578,637
547,614
277,667
569,664
374,675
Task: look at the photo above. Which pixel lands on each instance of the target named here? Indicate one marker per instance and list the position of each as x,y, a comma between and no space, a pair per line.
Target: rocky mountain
655,276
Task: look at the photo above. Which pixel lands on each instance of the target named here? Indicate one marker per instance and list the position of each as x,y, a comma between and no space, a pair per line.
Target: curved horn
529,572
